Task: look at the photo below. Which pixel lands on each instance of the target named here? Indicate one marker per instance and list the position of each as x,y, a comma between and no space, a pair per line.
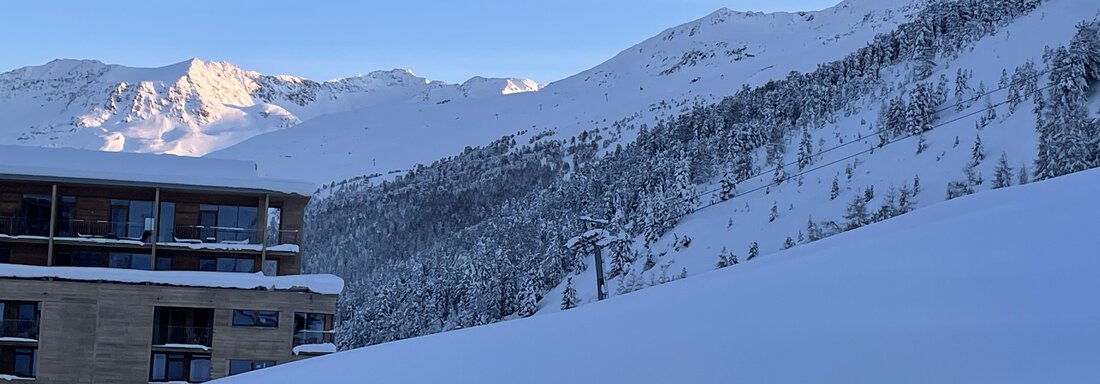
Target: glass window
140,224
200,369
87,258
311,328
157,372
271,267
245,265
207,265
24,362
226,264
119,260
175,367
252,318
140,261
242,366
167,222
5,254
164,263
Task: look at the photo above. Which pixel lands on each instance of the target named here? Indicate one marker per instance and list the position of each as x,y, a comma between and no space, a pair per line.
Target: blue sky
443,40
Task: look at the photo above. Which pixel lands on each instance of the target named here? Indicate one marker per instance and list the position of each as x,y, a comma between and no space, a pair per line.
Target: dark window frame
252,365
184,362
254,317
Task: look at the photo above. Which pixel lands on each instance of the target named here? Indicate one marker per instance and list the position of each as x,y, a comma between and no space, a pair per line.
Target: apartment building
131,268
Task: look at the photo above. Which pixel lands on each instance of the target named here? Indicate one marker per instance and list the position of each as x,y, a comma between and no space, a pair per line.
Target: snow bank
314,349
321,284
135,167
990,288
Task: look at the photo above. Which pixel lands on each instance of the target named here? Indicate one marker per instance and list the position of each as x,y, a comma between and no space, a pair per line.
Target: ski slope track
982,289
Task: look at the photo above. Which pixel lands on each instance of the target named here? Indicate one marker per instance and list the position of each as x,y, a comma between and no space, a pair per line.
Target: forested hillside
921,112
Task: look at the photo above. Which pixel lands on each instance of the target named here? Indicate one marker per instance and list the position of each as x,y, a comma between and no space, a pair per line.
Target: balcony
18,330
183,337
103,229
312,337
24,226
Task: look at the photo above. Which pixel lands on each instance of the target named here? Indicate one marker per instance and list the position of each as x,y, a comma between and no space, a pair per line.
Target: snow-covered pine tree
774,212
916,185
813,232
789,243
977,153
856,214
835,190
723,259
869,194
1002,175
569,297
805,150
905,200
1023,174
962,90
754,251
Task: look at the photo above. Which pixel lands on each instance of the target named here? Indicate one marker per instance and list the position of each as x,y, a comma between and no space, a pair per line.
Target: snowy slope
735,224
699,61
194,107
983,289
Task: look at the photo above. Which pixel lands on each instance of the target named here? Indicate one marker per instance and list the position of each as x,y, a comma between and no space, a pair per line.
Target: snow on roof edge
323,284
143,168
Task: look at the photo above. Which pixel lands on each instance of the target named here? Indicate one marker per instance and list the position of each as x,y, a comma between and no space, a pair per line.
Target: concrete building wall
103,332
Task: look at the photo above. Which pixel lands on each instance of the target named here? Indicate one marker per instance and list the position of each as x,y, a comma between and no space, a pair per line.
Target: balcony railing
103,229
19,328
283,237
211,234
24,226
182,335
312,337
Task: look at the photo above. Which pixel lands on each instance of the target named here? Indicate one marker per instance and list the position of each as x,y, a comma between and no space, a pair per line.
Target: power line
837,161
880,131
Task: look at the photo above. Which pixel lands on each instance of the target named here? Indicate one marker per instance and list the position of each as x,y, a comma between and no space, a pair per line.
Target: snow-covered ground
990,288
735,224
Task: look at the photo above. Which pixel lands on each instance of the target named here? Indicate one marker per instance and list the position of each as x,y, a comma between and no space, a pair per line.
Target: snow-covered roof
25,162
320,284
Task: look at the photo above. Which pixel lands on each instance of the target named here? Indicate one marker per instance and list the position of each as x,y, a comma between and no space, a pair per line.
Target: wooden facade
104,332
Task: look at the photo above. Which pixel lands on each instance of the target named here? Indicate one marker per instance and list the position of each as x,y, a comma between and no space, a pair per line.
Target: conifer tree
805,150
856,214
569,297
835,191
813,233
787,244
753,251
1023,174
916,185
1002,175
977,153
774,213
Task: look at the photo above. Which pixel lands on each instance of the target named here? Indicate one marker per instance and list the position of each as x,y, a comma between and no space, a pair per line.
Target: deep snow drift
989,288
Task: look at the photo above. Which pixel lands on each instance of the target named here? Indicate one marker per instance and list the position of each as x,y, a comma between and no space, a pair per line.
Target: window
251,318
80,258
132,219
167,222
36,215
66,209
242,366
19,362
130,261
312,328
271,267
5,254
228,222
164,263
225,264
179,367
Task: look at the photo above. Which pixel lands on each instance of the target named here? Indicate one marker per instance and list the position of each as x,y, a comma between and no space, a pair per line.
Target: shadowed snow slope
989,289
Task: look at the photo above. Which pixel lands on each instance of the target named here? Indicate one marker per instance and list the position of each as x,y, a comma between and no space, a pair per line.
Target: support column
262,230
53,224
156,226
